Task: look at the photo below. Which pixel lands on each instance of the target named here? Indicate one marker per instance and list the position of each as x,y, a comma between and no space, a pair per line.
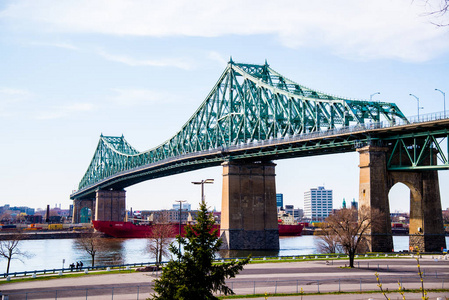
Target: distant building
168,216
354,204
296,213
33,219
185,206
17,209
289,209
317,204
217,216
280,201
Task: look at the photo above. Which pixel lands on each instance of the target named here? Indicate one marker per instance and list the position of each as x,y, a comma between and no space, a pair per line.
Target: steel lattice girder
318,143
248,103
422,151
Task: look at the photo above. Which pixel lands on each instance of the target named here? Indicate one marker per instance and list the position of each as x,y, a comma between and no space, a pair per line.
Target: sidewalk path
311,276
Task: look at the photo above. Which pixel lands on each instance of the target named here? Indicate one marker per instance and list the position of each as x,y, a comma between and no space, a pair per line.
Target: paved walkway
311,276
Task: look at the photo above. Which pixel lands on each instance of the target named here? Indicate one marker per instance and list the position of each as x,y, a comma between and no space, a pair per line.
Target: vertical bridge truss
249,103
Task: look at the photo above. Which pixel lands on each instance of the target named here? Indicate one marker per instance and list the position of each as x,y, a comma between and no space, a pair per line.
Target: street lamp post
378,105
180,212
371,96
444,100
417,99
180,219
202,182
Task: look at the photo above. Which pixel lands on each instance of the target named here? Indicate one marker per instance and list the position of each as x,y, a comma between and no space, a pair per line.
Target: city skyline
70,74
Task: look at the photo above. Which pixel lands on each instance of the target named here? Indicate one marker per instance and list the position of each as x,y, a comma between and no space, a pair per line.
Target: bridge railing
341,130
306,136
429,117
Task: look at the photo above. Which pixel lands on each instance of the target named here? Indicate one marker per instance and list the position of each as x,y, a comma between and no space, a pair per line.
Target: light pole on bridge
371,96
378,105
444,100
417,99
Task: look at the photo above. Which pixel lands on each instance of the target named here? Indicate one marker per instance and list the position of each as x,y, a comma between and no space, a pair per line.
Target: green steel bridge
254,113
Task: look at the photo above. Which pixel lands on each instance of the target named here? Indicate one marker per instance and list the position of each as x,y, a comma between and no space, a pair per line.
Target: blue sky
71,70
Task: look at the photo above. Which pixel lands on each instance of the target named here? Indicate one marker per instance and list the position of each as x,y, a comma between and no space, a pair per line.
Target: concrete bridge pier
426,222
373,194
110,205
426,231
249,213
78,205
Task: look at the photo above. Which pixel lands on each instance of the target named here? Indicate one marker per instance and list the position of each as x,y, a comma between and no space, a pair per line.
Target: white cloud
11,98
64,111
362,29
11,94
166,62
19,103
180,63
138,97
215,56
67,46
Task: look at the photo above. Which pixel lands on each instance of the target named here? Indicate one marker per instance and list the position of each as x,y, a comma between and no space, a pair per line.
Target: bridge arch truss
249,105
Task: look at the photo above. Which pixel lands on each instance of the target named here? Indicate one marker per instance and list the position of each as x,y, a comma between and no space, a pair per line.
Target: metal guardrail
300,286
218,260
339,284
248,287
143,264
117,292
74,270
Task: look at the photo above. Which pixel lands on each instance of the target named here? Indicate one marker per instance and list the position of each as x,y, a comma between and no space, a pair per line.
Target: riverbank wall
40,235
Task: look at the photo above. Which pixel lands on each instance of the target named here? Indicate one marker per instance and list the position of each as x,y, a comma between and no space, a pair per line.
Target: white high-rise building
317,204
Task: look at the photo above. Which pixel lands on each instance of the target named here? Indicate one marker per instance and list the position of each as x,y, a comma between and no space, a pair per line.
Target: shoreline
41,235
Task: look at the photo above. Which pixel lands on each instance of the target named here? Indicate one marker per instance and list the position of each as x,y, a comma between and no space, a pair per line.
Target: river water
50,253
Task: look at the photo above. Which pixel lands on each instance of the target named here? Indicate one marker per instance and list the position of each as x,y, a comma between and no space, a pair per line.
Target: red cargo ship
131,230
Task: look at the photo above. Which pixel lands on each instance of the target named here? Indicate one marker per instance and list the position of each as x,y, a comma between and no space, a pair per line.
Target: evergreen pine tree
193,275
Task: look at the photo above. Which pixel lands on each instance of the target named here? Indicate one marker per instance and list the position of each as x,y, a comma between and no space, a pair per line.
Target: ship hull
290,230
131,230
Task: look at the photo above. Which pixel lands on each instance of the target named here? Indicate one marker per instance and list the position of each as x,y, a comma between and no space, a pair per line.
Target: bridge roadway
338,140
260,278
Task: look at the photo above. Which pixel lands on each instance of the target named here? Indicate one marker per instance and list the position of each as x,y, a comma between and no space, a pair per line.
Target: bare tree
348,226
5,217
328,242
92,243
438,11
159,241
9,249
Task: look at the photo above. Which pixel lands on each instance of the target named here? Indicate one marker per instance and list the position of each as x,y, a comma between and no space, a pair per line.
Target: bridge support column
249,213
373,194
426,229
78,205
110,205
426,222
